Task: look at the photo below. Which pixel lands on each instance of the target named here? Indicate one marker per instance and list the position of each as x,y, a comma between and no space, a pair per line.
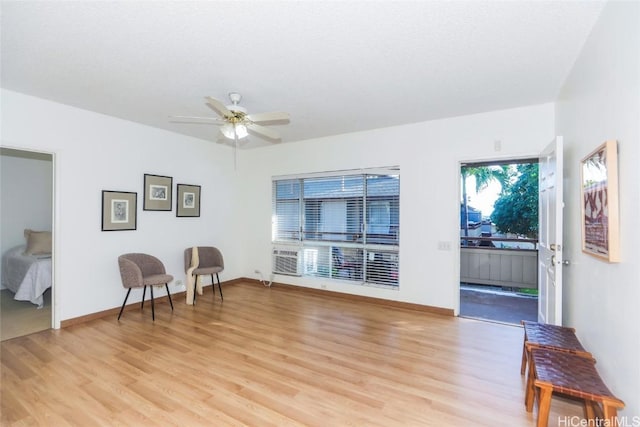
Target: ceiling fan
235,124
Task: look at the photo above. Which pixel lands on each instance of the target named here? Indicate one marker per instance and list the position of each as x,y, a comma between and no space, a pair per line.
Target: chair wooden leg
144,291
195,287
124,303
166,285
219,286
153,313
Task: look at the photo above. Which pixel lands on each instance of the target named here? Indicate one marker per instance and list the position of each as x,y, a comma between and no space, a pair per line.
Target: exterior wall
515,268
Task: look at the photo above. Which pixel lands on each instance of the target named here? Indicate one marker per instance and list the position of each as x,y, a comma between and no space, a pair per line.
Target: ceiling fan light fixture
230,131
235,108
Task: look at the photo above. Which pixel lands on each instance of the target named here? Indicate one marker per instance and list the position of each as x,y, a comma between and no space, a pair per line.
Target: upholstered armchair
209,261
139,271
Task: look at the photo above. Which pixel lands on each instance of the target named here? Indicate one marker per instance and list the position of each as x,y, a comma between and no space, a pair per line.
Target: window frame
374,257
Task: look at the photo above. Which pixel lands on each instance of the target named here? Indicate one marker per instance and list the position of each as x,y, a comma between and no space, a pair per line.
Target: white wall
25,196
601,100
429,156
93,152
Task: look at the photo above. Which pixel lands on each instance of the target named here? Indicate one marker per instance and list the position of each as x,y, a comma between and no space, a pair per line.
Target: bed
27,276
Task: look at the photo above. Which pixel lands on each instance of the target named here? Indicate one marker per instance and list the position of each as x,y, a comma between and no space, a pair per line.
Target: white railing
516,268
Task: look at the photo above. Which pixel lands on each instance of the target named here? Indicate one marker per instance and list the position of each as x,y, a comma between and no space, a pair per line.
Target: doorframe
55,226
490,159
55,250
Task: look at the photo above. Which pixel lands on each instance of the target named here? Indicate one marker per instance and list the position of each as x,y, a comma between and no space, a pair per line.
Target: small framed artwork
157,193
599,202
119,210
188,200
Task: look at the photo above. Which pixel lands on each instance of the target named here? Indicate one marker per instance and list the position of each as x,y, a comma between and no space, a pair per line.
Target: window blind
346,225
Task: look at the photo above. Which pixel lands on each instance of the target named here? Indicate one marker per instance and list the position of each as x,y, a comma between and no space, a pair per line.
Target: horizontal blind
348,224
332,208
383,209
286,210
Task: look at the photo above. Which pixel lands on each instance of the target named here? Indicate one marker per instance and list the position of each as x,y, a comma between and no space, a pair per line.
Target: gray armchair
210,262
142,270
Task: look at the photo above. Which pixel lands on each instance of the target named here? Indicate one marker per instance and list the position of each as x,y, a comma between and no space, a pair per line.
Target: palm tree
484,175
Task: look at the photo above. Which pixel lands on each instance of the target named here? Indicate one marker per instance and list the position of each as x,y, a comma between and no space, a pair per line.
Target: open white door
550,234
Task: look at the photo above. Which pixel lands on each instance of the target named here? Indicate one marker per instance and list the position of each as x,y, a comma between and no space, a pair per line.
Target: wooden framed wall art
119,210
157,193
599,201
188,200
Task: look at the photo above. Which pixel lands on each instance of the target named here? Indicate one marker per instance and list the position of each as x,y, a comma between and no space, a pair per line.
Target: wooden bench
553,337
542,335
552,371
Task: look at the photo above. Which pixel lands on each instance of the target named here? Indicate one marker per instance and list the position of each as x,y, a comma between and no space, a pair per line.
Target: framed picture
599,200
188,200
157,193
119,210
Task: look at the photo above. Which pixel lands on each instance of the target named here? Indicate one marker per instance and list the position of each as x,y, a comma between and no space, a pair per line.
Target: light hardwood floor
270,357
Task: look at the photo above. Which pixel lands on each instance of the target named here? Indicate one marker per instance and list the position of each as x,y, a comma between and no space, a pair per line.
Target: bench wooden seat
552,371
542,335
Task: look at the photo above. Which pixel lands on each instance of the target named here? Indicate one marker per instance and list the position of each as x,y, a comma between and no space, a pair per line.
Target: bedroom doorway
26,202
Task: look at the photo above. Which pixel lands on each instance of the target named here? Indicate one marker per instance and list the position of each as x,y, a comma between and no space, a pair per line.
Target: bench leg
544,405
610,414
589,410
523,365
529,391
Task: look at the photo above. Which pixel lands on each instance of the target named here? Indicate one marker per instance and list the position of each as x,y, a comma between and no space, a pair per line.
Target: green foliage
485,174
516,210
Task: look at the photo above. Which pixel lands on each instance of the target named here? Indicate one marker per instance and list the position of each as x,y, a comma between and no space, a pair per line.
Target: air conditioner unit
287,260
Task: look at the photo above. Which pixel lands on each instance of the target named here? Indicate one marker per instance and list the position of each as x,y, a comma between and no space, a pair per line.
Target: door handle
554,261
552,247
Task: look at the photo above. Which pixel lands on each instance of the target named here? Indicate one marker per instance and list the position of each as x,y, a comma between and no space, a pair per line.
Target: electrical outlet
178,282
256,271
323,286
444,246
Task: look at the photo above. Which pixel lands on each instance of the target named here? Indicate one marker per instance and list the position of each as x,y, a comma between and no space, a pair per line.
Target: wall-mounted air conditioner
287,260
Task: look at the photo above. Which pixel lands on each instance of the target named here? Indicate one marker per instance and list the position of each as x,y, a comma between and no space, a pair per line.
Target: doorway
27,257
498,240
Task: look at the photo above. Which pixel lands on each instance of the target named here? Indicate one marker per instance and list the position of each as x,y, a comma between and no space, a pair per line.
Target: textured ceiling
335,66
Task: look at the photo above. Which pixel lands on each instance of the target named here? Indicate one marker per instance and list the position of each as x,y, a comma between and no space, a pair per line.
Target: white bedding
28,276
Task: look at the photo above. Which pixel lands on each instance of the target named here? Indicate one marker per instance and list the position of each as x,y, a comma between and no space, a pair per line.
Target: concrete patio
492,304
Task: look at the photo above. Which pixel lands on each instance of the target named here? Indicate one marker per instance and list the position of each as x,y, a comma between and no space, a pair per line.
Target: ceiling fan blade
264,132
218,107
209,119
275,116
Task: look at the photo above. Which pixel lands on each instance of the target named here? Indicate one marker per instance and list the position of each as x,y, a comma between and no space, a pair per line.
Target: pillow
38,242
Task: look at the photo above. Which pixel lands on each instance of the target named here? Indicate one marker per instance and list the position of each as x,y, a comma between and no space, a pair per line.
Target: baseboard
351,297
372,300
114,311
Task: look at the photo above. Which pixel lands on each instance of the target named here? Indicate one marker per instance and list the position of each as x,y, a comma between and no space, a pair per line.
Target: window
346,225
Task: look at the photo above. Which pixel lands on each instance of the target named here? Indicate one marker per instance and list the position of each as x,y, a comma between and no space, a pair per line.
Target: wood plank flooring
269,357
